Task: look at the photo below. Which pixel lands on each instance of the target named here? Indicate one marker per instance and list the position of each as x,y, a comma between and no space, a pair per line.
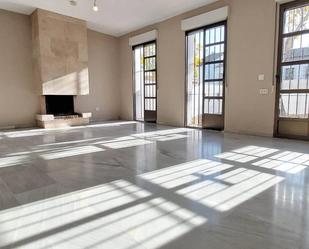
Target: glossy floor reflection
127,185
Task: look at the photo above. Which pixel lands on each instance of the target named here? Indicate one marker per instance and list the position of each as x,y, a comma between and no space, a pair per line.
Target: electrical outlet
261,77
264,91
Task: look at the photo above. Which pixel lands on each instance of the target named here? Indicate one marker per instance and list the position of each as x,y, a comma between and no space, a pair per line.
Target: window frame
143,45
280,64
224,61
223,79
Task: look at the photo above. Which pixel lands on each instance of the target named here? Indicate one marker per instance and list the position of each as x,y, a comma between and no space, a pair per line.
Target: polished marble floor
126,185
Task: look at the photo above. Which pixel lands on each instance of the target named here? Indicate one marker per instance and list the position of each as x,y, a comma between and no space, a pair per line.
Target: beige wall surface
18,100
251,34
251,48
103,100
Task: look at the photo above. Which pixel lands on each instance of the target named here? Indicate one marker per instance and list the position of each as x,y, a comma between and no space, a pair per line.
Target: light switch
261,77
264,91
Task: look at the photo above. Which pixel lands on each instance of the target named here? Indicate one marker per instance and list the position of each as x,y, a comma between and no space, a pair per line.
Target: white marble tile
130,185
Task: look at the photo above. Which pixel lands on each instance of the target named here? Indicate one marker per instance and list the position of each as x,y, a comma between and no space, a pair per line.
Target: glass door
214,77
145,82
206,50
195,55
293,71
138,83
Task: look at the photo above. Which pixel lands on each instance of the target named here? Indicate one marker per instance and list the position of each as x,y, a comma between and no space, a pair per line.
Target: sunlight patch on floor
256,151
167,137
233,189
184,173
222,192
75,151
19,134
114,215
40,132
13,160
278,165
162,132
283,161
71,142
123,142
232,156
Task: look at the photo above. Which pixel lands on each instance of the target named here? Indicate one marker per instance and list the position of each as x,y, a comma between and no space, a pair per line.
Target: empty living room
163,124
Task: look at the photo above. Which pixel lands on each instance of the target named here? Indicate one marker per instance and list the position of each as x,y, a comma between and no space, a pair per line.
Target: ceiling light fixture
95,6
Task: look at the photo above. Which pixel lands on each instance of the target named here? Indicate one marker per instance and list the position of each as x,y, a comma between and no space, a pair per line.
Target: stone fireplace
60,55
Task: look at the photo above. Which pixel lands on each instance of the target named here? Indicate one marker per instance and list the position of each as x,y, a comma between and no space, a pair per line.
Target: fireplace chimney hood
60,54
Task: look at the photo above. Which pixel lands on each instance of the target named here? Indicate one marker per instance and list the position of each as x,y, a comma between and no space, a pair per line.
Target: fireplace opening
60,105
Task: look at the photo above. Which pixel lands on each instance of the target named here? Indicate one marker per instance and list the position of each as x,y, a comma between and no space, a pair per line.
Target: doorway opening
292,107
205,76
145,82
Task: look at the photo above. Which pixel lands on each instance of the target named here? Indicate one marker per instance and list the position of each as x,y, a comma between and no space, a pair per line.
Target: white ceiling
115,17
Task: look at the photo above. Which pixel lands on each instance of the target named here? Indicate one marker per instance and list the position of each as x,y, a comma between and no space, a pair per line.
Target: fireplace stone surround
60,58
60,112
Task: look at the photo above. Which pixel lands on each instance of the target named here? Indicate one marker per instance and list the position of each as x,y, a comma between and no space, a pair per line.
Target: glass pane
195,53
214,89
296,19
215,35
214,53
306,17
295,77
214,71
150,91
150,63
302,110
213,106
294,105
150,77
138,83
149,50
150,104
295,48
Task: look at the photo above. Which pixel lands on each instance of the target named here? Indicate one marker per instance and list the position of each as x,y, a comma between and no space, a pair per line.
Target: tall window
293,70
205,76
145,82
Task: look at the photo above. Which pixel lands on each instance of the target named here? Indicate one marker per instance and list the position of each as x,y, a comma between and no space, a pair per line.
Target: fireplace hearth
59,112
